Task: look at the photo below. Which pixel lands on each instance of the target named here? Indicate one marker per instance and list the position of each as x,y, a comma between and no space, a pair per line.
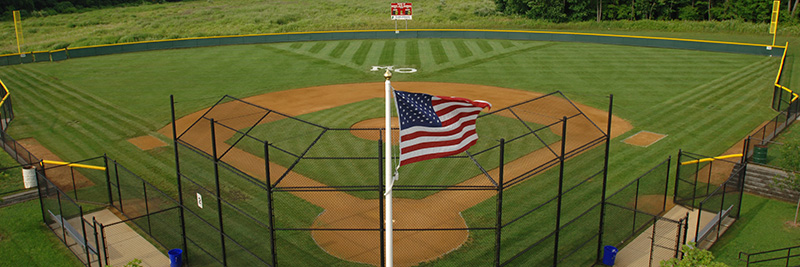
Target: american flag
435,126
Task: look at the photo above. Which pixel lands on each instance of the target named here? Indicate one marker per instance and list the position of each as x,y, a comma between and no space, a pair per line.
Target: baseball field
83,107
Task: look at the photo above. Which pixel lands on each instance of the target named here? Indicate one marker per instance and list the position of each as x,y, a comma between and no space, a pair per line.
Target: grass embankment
764,224
25,241
233,17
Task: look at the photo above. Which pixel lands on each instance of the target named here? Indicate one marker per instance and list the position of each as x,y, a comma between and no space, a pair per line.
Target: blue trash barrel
175,257
609,255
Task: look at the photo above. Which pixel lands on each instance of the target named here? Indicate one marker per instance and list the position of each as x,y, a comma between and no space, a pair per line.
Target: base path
438,211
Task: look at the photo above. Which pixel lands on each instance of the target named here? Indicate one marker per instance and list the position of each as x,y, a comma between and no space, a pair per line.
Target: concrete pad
124,244
637,252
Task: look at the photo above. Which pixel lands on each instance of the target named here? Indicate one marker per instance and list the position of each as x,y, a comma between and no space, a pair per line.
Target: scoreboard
401,11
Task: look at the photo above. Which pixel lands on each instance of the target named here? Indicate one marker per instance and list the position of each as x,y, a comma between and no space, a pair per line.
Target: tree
693,257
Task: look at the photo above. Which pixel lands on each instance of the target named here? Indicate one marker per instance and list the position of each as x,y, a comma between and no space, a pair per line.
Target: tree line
53,7
585,10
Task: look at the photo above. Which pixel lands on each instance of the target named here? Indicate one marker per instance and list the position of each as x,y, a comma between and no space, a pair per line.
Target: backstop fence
265,188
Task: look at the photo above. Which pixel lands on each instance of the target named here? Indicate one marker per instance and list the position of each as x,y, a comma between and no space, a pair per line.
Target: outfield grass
26,241
231,17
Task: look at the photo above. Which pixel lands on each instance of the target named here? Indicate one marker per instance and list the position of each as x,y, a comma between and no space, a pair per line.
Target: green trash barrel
760,154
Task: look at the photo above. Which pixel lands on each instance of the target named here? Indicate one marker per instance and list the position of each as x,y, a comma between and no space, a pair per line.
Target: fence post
788,256
635,205
85,240
270,207
742,180
178,176
119,187
74,188
666,185
219,197
103,239
560,187
97,242
653,242
710,171
381,199
677,176
39,184
108,181
499,222
61,212
678,236
721,208
147,208
601,225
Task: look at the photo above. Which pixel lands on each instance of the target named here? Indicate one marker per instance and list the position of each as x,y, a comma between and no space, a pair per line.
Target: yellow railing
711,159
780,71
7,94
76,165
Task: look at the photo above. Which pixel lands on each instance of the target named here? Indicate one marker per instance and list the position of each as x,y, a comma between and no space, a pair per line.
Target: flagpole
388,169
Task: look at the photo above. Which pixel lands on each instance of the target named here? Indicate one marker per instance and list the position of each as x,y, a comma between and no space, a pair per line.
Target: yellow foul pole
773,25
18,29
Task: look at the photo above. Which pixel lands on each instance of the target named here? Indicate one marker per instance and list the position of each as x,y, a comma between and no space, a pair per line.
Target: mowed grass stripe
400,54
705,91
360,55
88,125
437,52
95,108
412,54
484,46
40,114
387,53
318,46
86,122
373,55
93,102
339,49
70,108
676,117
463,50
725,101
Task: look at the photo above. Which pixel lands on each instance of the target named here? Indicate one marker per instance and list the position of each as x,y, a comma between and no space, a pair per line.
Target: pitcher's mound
644,138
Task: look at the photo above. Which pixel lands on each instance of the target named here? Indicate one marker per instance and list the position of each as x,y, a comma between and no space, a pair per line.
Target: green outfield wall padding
58,55
41,56
761,50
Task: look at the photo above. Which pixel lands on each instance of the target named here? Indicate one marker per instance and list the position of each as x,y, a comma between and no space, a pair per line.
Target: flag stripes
434,126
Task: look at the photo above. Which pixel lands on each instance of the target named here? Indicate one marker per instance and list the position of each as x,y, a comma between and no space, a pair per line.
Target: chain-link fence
262,187
66,218
715,188
634,220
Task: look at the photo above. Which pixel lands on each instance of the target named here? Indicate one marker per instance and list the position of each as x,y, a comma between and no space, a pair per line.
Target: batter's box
644,138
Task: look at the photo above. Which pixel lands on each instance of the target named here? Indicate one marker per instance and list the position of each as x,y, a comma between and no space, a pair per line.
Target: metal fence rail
772,257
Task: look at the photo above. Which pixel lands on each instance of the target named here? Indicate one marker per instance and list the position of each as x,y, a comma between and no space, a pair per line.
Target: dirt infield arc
342,210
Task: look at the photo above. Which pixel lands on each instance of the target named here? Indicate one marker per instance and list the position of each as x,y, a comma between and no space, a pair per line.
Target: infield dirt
344,211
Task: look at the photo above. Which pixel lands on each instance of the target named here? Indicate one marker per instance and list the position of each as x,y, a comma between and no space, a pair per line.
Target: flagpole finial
387,75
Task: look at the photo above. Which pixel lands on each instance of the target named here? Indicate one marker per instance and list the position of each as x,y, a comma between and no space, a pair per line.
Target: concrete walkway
124,244
637,252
